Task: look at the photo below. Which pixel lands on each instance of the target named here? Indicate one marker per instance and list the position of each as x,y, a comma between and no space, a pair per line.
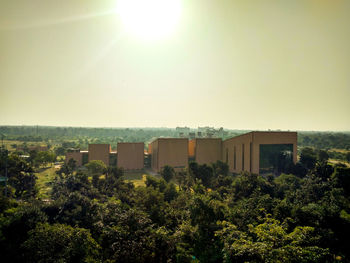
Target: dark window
112,160
251,156
85,158
275,158
234,157
243,157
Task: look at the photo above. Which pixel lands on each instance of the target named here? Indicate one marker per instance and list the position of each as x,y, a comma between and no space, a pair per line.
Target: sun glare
149,19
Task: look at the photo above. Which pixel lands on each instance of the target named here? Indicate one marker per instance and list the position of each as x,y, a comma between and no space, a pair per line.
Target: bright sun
149,19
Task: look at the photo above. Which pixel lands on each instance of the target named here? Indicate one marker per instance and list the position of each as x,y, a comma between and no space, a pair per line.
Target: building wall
77,156
251,142
99,152
130,155
169,151
238,150
207,150
153,151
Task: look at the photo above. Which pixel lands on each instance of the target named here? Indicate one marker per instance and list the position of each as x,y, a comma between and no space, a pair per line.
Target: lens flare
149,19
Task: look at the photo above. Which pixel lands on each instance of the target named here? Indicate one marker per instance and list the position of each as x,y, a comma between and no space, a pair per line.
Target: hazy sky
237,64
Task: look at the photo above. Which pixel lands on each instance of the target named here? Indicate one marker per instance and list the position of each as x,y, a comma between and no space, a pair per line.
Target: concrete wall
153,151
206,150
169,151
77,156
130,155
99,152
234,149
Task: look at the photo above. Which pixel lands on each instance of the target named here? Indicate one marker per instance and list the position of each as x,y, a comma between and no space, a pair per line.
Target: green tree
96,167
322,156
270,241
60,243
14,226
167,173
308,157
201,172
67,168
44,157
20,175
348,156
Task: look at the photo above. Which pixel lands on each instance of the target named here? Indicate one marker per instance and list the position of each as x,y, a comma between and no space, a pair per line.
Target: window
234,157
275,158
243,157
251,156
85,158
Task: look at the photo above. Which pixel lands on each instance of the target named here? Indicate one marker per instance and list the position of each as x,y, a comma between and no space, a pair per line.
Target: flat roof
206,139
252,132
130,142
168,138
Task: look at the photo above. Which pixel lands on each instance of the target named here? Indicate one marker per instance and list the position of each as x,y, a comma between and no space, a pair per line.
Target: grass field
45,177
334,161
8,144
339,150
138,178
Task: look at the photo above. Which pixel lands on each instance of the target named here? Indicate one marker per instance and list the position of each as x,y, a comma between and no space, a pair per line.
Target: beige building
130,156
99,152
169,151
76,155
205,150
256,152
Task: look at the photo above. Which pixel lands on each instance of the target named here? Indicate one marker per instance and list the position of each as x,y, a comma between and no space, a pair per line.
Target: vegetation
203,214
209,216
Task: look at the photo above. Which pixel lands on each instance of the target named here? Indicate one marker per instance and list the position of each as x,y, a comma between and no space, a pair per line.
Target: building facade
205,150
259,152
169,151
100,152
76,155
254,152
130,156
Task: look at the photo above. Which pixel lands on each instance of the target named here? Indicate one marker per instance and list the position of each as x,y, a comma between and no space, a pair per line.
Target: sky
237,64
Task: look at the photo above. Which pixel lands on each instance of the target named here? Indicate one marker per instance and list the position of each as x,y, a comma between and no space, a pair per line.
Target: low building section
76,155
169,151
130,155
259,152
205,150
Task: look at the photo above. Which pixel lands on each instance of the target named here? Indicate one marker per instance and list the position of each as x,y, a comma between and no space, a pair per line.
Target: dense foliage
209,215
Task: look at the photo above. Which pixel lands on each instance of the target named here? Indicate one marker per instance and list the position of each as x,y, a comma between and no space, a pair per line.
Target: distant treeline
325,140
320,140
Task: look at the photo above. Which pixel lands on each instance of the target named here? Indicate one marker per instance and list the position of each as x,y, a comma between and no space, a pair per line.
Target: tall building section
99,152
258,152
169,151
130,156
205,150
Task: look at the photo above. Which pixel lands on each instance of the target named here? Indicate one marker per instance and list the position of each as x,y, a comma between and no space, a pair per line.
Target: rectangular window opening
234,157
243,157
